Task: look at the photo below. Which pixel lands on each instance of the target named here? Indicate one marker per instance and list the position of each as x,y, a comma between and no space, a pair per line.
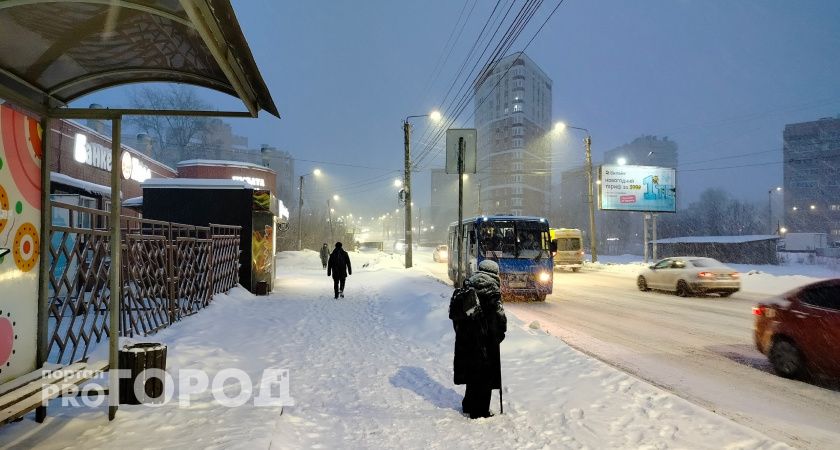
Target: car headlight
544,277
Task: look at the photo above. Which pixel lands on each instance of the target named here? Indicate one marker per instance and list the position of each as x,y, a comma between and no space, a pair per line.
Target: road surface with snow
374,370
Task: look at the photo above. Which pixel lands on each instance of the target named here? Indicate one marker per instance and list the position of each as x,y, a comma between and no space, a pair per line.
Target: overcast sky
720,77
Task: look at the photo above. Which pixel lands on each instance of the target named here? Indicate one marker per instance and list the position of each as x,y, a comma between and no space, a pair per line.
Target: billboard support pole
645,234
653,230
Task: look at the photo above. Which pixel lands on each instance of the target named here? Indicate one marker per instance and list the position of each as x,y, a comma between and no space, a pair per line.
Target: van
569,248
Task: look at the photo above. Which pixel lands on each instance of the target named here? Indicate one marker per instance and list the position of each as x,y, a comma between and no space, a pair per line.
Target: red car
799,331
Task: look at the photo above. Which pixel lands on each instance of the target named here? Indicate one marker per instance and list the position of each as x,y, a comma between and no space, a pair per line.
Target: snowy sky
721,78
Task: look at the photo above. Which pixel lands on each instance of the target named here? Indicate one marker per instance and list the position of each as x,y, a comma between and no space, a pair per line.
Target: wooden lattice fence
169,271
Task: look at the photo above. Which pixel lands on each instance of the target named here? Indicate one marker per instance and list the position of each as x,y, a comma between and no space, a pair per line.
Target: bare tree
174,134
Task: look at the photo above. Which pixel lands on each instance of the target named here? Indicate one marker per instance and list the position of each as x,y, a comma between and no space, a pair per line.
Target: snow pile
374,370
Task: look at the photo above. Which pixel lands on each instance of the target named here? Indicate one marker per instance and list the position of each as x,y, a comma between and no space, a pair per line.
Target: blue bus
521,245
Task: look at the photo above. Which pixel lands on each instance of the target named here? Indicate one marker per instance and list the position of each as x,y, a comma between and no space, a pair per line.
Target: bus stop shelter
54,52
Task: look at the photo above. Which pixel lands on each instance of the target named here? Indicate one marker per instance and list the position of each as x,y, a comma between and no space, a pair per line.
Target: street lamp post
770,208
315,172
330,211
407,182
593,236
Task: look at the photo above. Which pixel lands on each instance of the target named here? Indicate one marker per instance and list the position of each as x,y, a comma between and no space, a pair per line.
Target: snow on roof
133,202
86,186
717,239
195,183
219,162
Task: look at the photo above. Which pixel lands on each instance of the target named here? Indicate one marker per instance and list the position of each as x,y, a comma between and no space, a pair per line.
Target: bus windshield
511,239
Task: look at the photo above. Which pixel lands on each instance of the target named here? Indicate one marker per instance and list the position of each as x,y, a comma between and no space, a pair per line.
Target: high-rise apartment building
512,116
812,177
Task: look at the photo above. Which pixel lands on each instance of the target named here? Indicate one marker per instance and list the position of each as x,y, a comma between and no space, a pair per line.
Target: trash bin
136,358
262,288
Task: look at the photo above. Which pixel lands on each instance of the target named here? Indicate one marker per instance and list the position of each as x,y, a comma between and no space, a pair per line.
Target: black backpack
464,304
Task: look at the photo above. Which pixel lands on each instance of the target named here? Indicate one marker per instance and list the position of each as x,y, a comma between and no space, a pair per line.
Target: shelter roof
53,52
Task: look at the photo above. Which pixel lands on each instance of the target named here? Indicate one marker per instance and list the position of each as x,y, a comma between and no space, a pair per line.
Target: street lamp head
621,161
316,172
559,127
435,116
778,188
335,197
783,230
398,182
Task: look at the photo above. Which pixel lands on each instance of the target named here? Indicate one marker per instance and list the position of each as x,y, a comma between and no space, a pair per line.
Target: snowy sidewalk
374,371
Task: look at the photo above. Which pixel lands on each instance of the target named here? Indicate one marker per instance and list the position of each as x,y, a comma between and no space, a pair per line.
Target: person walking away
325,255
339,268
480,326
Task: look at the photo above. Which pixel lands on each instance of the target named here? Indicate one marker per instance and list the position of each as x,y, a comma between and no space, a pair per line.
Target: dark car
799,331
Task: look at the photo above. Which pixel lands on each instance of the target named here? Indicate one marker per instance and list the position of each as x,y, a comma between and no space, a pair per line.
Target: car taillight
758,310
581,253
705,275
735,275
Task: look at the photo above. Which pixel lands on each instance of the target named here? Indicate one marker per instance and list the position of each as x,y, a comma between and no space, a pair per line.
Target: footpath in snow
374,370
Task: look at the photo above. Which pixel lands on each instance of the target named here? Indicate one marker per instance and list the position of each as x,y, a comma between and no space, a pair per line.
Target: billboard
637,188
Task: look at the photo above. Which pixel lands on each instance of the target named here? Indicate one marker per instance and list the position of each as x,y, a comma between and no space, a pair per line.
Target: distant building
645,151
573,211
281,162
444,202
512,116
812,177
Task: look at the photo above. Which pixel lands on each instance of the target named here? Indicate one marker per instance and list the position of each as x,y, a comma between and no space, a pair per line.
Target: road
698,348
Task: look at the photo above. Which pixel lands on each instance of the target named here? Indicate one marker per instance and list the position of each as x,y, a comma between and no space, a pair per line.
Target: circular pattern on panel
26,247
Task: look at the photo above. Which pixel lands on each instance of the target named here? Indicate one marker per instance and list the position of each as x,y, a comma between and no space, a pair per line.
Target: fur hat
489,266
338,244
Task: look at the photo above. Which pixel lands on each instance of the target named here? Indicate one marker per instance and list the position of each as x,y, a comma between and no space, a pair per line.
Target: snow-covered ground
374,371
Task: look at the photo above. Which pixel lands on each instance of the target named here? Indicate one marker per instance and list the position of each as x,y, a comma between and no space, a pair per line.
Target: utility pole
460,278
300,211
407,190
593,236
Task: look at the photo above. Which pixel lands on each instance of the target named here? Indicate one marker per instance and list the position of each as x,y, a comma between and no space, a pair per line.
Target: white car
688,275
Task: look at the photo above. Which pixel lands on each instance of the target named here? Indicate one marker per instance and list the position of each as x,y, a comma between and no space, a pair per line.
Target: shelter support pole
116,264
44,263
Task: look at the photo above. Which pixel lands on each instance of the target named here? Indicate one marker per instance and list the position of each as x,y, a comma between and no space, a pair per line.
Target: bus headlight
544,277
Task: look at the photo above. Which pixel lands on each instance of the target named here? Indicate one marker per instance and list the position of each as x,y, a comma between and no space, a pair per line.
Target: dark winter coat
339,264
325,254
478,335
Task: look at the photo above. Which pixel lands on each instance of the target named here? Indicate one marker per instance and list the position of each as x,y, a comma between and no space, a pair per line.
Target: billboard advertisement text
638,188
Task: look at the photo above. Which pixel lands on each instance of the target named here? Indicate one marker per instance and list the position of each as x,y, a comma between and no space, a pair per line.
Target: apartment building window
518,166
516,190
517,201
518,131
